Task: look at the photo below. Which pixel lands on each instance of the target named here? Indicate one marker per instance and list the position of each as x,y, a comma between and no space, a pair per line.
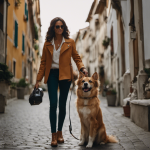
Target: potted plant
105,87
106,42
5,80
36,47
126,109
13,89
21,88
111,96
147,84
17,3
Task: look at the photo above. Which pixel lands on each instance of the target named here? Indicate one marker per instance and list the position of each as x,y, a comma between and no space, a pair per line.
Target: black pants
64,85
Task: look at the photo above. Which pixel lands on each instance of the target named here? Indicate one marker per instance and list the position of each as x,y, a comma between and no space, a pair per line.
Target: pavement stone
24,127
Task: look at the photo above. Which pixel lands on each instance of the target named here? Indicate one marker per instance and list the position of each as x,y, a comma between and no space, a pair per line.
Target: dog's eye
90,81
83,81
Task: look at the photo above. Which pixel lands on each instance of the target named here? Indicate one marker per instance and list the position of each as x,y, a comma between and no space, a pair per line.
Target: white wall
146,26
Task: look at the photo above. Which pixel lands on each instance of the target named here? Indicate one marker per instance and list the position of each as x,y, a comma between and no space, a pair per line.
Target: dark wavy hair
51,33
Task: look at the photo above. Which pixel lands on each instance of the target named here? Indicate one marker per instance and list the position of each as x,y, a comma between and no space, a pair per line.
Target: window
23,45
16,34
14,68
26,12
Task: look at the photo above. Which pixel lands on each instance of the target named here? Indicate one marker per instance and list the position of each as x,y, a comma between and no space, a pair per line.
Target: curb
10,100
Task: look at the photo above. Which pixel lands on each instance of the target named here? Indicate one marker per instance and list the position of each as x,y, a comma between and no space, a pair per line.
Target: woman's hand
36,85
85,72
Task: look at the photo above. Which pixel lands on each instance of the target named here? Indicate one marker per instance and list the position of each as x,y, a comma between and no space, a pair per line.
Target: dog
88,107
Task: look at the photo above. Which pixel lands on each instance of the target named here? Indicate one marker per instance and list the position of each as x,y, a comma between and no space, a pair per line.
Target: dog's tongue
86,90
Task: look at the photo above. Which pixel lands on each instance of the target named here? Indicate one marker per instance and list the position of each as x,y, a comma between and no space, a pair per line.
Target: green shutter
23,43
25,8
26,11
16,34
27,15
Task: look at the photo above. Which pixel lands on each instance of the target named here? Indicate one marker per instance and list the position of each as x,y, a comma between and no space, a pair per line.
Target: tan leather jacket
67,51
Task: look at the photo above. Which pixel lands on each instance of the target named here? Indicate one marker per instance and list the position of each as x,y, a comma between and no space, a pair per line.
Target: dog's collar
87,97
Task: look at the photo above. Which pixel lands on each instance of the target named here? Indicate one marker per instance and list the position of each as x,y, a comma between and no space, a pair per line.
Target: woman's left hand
85,72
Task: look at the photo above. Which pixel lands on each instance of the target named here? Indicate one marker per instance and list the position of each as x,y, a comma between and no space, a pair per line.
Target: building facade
118,45
24,27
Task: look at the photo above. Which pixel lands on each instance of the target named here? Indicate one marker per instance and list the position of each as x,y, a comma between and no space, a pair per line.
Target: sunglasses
57,26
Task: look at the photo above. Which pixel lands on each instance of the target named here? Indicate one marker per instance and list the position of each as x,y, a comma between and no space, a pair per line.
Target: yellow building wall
12,51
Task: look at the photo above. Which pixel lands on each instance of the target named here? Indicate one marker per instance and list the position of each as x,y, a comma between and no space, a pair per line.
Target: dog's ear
95,76
81,75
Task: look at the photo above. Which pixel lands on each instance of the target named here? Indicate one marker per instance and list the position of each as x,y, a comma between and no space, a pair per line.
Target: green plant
5,75
36,47
22,83
38,53
17,3
147,70
36,32
111,91
106,41
13,85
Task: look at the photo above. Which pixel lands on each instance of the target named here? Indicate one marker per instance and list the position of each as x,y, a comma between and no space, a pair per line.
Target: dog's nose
85,84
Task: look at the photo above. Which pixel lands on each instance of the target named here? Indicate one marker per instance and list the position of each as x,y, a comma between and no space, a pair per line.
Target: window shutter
23,49
25,8
27,15
26,12
16,34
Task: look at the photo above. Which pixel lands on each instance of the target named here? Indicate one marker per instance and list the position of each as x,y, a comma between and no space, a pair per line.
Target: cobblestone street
27,127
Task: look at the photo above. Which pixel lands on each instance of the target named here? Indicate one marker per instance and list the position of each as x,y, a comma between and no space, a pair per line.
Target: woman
56,67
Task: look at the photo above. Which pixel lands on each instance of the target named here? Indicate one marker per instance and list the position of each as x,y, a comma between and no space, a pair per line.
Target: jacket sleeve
42,65
76,57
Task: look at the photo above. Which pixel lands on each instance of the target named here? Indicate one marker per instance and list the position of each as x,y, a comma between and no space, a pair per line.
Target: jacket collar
64,47
50,43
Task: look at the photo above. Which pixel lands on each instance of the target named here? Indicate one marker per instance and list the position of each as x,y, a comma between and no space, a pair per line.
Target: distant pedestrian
57,69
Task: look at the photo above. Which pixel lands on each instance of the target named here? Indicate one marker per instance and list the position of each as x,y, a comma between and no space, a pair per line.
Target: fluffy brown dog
88,106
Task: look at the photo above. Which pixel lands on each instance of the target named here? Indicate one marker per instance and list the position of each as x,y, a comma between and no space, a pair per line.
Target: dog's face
87,86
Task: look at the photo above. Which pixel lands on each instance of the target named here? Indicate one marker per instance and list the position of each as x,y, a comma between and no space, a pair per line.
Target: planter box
13,93
126,110
4,88
4,92
140,113
2,103
111,100
20,93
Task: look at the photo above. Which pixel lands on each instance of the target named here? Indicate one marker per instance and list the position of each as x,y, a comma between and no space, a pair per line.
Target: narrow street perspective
48,45
28,127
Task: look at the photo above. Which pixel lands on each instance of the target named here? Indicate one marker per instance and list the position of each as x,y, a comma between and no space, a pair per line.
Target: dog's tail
112,139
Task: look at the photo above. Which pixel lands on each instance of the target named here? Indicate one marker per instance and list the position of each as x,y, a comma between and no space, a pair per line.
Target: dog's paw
89,145
81,143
